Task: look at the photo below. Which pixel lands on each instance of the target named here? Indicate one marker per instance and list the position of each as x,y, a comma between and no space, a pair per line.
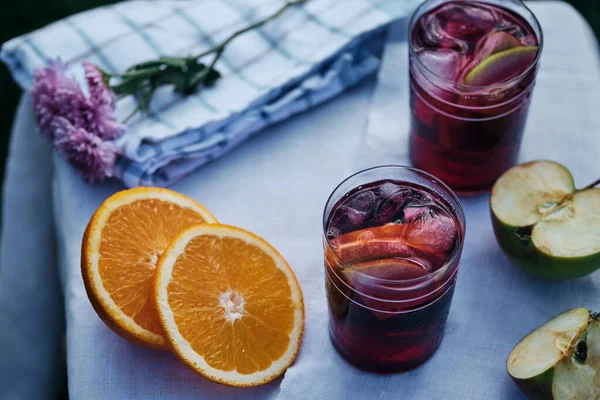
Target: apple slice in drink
495,43
560,360
546,226
502,66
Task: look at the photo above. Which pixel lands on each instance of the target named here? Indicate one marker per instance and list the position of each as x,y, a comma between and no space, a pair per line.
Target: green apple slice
573,229
525,193
535,362
492,44
546,226
578,376
502,66
496,43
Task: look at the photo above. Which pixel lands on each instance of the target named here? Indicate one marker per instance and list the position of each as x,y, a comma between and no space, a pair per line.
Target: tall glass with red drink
393,237
473,66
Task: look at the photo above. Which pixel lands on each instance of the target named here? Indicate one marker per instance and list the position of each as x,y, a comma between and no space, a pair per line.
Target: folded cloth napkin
306,56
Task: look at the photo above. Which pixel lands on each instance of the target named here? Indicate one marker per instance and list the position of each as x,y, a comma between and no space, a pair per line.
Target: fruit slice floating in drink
502,66
495,43
546,226
560,360
372,243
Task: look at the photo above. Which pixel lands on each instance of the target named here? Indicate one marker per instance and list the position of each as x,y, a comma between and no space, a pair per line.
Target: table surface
276,185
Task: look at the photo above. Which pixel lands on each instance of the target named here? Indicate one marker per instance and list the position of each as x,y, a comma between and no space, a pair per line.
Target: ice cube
433,231
364,201
346,219
355,216
390,207
510,26
466,22
388,189
413,213
354,211
429,33
445,63
393,207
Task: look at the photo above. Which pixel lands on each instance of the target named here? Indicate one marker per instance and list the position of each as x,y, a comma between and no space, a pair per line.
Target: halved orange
120,250
230,305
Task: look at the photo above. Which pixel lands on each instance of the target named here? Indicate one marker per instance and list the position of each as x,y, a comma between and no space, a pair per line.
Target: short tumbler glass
393,238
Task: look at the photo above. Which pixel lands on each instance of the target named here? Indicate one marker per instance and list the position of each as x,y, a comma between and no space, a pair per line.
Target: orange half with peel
120,251
230,305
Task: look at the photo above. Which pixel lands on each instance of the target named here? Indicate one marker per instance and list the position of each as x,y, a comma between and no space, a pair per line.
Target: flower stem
135,111
221,47
183,73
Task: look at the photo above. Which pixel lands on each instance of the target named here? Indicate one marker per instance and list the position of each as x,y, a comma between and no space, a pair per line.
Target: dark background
22,16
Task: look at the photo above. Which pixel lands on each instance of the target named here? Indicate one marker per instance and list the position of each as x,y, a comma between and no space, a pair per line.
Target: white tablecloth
276,186
31,309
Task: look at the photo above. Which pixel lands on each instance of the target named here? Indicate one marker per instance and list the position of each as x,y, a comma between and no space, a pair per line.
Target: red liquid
468,135
389,287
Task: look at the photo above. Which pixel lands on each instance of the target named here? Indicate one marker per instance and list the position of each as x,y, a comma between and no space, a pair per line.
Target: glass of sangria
393,238
472,71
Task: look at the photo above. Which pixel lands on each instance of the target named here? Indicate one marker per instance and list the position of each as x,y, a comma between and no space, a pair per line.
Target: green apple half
546,226
560,360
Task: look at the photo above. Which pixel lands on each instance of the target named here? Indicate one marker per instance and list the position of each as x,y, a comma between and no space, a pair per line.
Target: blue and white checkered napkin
308,55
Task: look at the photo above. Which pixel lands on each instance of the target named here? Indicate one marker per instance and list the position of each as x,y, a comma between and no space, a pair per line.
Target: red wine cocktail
393,237
473,66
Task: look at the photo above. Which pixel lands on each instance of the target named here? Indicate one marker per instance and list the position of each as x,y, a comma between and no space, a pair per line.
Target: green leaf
180,83
211,77
130,81
204,77
127,86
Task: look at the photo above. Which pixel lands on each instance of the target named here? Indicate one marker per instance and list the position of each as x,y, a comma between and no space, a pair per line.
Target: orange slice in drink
372,243
230,305
120,250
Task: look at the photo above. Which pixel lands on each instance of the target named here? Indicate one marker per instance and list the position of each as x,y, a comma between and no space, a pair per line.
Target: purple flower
55,95
93,157
99,114
78,124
